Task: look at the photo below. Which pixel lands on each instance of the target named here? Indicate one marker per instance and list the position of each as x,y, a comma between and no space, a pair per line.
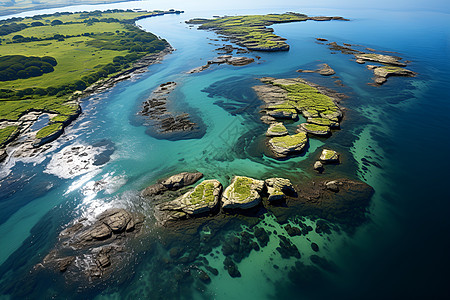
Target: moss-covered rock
203,198
48,133
283,146
276,129
323,122
278,188
7,134
315,129
329,156
301,96
243,192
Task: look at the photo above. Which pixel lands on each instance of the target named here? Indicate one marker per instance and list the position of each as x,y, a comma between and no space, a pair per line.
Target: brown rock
116,218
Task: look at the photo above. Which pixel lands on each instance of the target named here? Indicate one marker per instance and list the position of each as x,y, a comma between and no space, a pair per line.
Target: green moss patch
203,193
308,99
289,141
321,121
278,128
242,187
7,133
49,130
315,127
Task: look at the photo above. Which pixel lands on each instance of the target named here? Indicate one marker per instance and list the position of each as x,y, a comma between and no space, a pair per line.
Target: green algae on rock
283,146
315,129
329,156
48,133
299,95
277,188
276,129
252,32
323,122
243,192
203,198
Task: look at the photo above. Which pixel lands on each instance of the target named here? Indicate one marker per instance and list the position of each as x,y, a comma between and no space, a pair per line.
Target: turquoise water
402,126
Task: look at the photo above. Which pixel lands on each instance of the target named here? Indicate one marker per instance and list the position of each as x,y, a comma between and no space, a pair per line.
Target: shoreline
12,12
33,146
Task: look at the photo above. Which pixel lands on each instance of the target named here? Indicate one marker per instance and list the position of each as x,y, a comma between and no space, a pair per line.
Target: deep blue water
401,252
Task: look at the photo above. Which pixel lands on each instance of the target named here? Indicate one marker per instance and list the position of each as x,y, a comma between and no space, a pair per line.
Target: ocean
393,137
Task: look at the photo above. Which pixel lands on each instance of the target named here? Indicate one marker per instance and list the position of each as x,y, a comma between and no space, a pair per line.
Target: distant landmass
8,7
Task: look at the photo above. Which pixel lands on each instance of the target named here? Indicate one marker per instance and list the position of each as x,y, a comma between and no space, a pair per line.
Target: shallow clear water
402,126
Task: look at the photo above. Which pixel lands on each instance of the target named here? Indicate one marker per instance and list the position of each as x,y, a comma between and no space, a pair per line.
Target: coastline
9,12
32,147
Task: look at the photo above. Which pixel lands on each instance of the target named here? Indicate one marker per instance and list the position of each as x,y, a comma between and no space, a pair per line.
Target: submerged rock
318,166
277,129
284,146
329,156
243,192
332,186
277,188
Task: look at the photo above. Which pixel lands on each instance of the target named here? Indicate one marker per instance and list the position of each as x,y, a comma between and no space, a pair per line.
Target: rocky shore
93,250
30,145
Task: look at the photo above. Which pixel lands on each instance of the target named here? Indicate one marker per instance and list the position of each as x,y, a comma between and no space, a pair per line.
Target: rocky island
286,98
252,32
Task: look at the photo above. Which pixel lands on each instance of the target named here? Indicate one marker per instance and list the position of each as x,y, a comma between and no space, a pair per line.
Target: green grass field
87,47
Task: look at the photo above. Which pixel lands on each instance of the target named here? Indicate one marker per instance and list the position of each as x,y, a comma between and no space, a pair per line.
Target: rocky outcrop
224,59
323,122
324,70
381,58
163,123
314,129
318,166
383,72
284,146
390,65
242,193
172,183
329,156
95,246
202,199
276,129
278,188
